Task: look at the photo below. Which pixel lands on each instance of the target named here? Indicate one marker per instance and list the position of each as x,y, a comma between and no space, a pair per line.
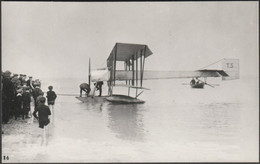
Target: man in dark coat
84,87
43,117
8,96
18,103
26,99
51,96
44,112
35,93
99,87
29,82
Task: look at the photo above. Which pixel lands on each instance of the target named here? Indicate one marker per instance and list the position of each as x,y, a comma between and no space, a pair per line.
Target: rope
61,94
212,63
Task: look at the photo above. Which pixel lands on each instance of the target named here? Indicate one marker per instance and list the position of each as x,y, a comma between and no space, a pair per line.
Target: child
43,117
51,96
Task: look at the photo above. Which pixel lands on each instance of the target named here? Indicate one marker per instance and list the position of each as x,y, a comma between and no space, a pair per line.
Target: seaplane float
133,56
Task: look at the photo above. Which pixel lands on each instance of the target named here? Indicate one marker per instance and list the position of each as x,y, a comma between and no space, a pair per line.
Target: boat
198,85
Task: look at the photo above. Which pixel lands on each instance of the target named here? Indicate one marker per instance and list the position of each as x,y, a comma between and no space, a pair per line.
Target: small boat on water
123,99
198,85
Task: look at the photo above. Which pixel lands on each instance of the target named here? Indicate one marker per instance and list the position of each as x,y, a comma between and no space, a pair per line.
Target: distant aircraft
133,56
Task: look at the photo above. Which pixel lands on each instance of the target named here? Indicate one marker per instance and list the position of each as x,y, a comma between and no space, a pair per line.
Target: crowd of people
18,93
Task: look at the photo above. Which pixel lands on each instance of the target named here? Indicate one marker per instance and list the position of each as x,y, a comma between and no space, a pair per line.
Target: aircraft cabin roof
125,51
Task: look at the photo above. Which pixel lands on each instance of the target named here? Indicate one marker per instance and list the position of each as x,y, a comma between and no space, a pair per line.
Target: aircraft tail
231,67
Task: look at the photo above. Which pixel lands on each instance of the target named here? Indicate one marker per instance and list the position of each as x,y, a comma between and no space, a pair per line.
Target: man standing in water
84,87
43,117
99,87
51,96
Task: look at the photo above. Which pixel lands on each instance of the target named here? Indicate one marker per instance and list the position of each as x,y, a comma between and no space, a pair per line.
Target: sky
56,39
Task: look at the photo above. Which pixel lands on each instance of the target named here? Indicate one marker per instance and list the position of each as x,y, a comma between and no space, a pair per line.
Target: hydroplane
133,56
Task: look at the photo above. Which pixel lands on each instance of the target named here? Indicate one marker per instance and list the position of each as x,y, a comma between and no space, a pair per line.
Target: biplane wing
148,75
229,70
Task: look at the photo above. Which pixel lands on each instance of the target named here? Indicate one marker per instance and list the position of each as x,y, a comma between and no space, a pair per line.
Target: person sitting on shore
84,87
43,117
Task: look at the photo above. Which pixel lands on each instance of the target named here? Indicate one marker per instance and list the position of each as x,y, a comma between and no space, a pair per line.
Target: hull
115,99
94,99
200,85
123,99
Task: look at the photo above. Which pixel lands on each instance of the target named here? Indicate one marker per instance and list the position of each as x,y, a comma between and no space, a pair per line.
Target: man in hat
24,82
14,79
30,82
21,78
15,76
8,94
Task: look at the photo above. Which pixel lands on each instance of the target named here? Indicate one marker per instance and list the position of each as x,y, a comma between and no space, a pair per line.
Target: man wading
51,97
84,87
43,117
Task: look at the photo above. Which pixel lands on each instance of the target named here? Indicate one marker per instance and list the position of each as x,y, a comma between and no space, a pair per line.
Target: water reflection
220,119
126,121
95,106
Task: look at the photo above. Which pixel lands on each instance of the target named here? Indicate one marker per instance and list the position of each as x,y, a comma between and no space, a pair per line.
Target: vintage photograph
129,81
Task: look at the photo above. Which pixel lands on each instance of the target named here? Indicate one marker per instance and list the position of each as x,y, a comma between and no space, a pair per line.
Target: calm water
176,123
